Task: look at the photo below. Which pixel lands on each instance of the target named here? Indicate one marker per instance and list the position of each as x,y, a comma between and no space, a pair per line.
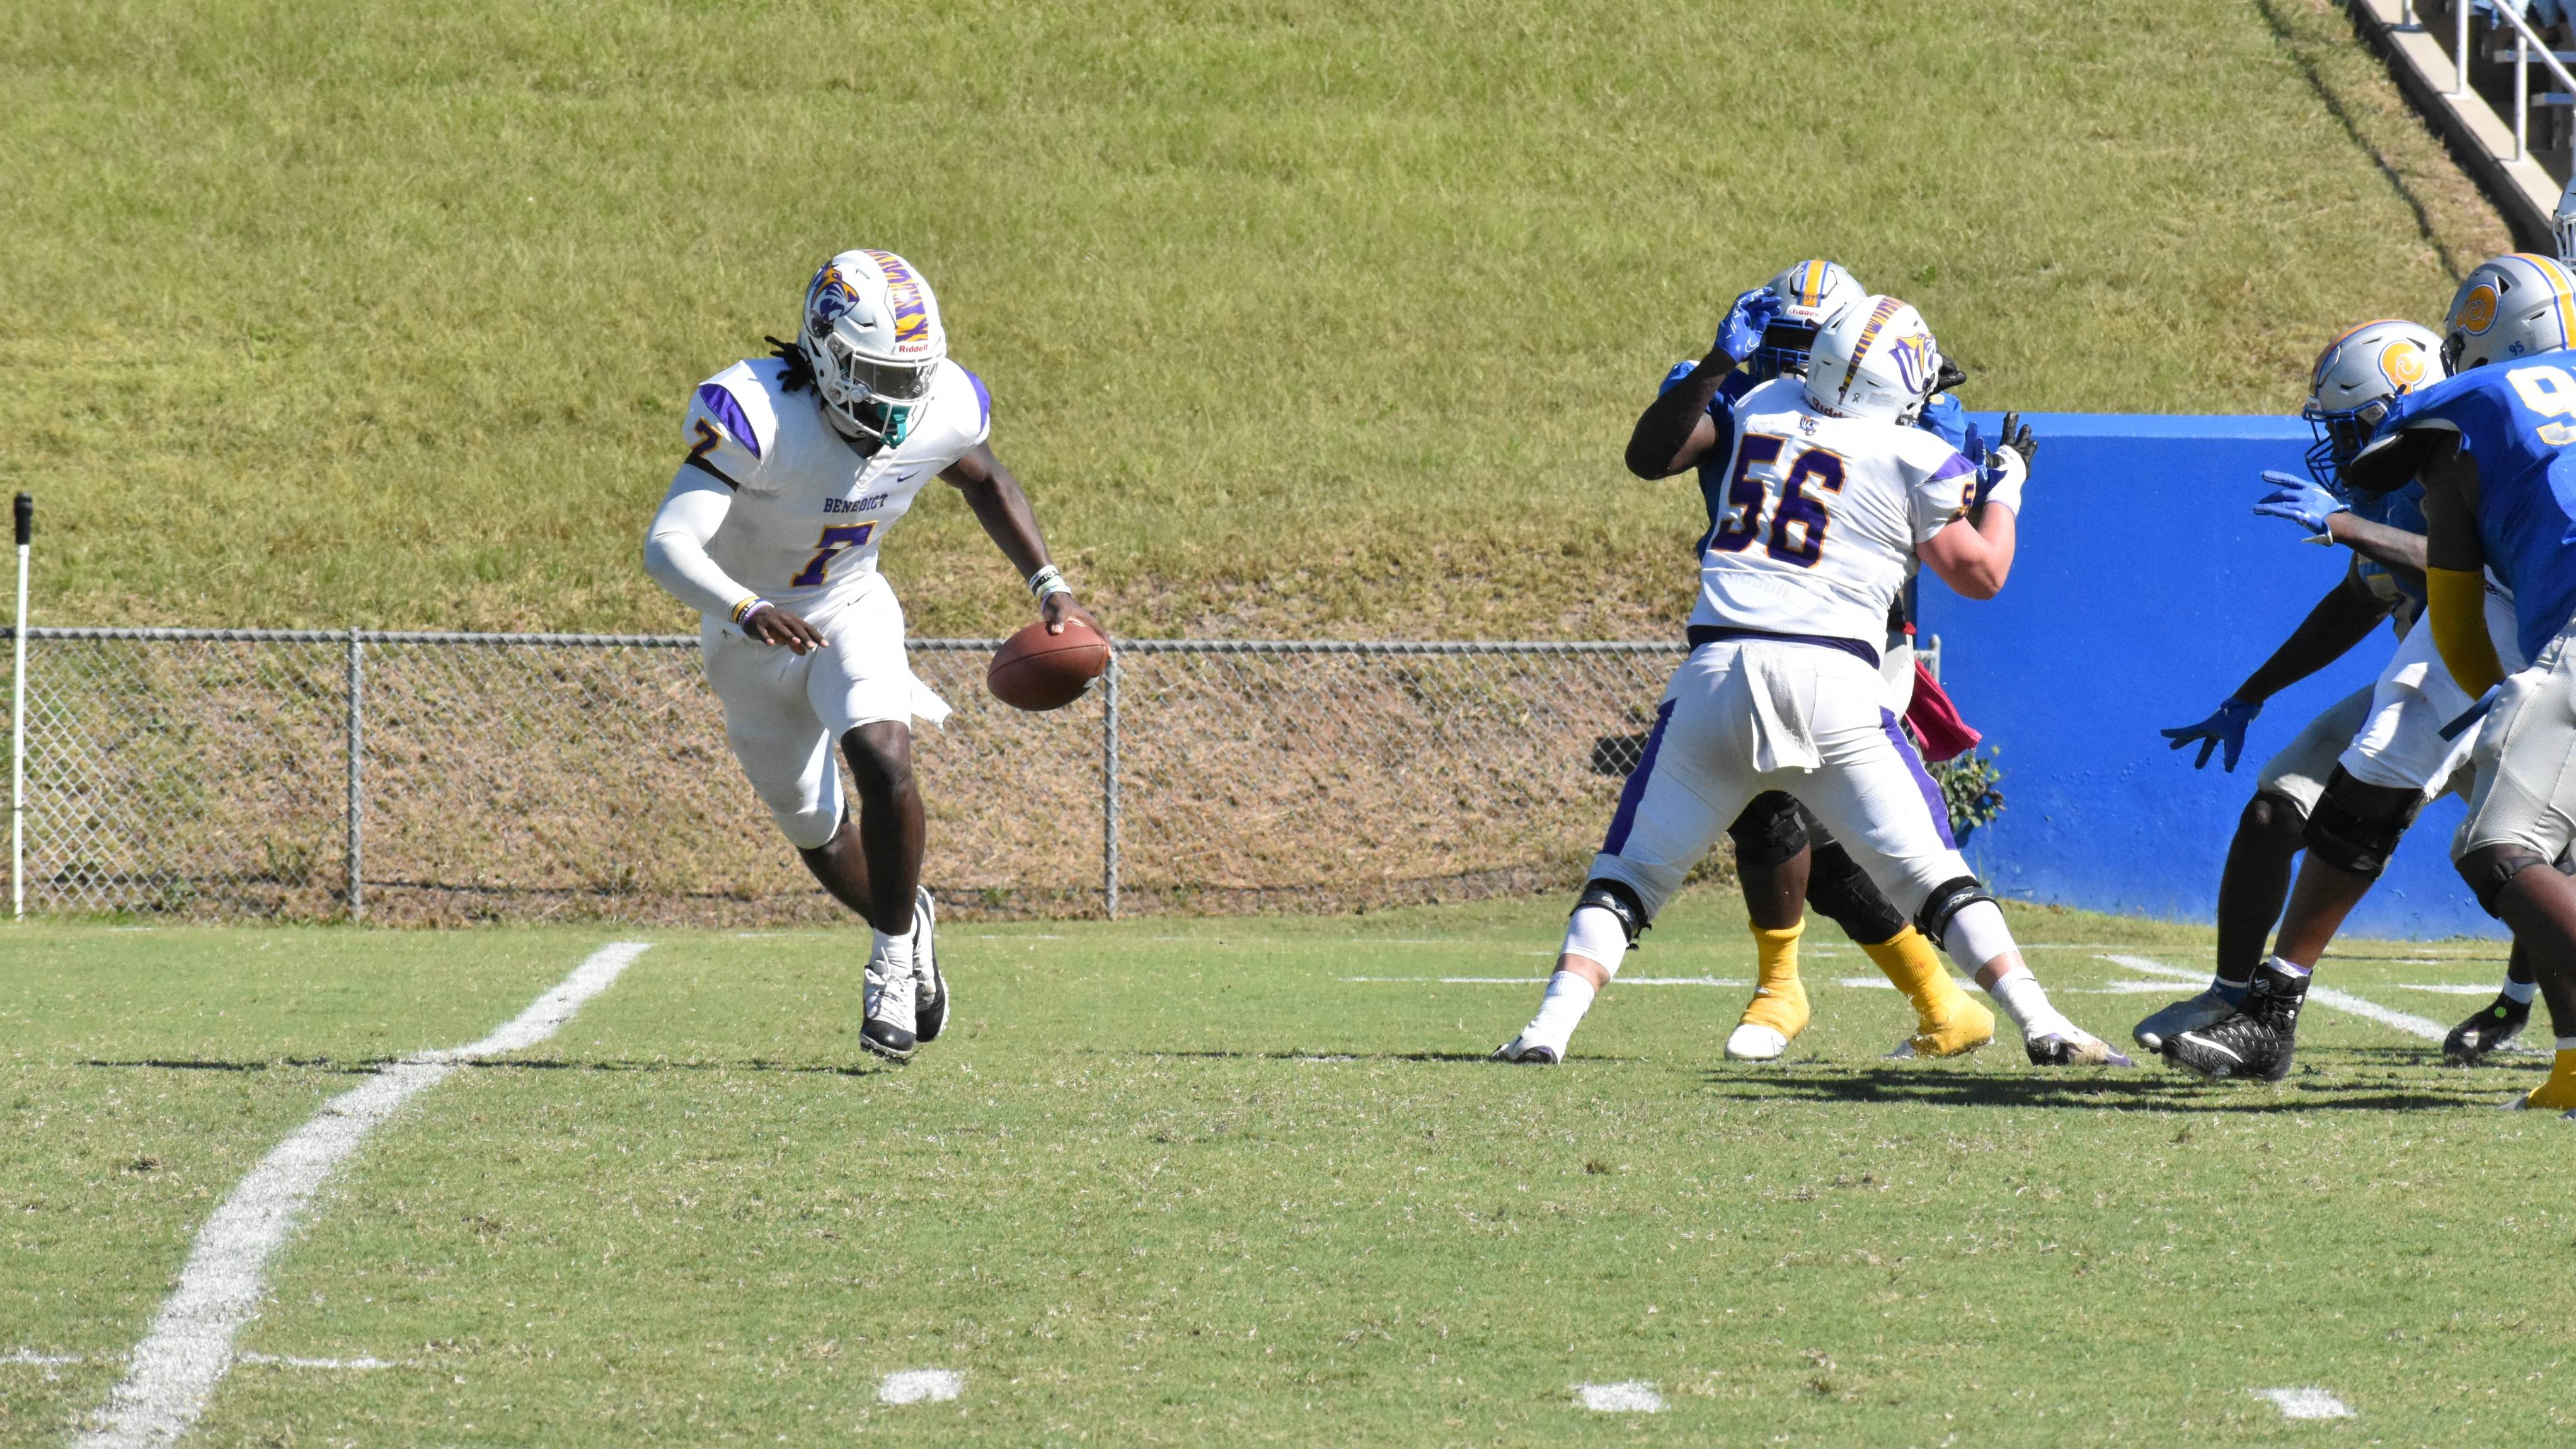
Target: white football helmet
2355,380
2517,305
1873,361
1812,293
871,334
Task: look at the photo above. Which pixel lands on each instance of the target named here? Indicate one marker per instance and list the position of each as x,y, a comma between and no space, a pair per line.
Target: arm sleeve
1947,485
2456,611
675,547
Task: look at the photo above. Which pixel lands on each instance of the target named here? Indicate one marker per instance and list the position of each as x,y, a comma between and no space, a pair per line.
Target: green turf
1306,316
1188,1183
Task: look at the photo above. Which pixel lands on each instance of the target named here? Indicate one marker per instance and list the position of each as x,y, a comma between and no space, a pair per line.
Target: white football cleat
888,1029
2073,1047
1753,1042
1528,1053
930,989
2192,1013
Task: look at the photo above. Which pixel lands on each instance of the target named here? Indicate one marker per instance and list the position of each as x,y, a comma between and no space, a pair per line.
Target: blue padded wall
2145,590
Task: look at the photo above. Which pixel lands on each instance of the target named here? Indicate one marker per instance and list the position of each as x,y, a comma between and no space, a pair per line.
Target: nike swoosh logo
901,478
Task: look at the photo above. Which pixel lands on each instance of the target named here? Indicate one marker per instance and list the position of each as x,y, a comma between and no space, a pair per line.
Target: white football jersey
1822,517
810,511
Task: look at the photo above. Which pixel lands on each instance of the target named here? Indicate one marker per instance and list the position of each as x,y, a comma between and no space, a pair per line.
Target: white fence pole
1109,789
25,517
2460,49
357,731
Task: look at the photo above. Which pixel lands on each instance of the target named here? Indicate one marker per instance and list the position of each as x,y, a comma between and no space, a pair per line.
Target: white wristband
1047,582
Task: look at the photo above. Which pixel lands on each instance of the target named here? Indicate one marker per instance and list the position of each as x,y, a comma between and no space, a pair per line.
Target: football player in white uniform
798,464
1832,496
1785,860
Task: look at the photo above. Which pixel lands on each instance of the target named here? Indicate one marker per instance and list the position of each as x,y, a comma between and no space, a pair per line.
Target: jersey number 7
835,539
1748,496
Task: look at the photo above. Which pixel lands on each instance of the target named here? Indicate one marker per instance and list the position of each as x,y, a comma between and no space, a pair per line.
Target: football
1036,670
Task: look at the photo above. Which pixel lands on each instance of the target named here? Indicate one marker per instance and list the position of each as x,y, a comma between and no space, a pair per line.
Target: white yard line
190,1347
921,1386
2325,996
2448,988
2305,1403
363,1361
1635,1396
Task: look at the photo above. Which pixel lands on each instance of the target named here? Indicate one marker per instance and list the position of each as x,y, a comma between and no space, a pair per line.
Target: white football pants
1742,716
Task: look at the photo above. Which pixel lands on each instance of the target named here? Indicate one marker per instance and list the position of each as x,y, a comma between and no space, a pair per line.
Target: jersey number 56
1797,532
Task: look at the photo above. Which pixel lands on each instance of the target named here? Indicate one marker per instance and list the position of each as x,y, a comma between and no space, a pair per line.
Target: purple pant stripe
1932,798
1625,818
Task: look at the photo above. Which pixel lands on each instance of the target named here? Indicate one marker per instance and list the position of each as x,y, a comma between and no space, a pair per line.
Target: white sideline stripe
2325,996
2305,1403
921,1386
1635,1396
2447,988
190,1347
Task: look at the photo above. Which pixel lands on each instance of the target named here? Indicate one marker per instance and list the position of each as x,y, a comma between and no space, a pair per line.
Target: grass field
1191,1182
1301,316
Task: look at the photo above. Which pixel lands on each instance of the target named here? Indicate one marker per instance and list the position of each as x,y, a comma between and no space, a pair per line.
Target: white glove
2001,479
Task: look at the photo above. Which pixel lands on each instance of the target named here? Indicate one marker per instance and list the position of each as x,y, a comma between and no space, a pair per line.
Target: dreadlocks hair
800,372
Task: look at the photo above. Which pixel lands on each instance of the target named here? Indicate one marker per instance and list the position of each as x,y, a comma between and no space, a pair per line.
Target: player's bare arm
1974,555
1675,432
2343,618
994,493
2391,548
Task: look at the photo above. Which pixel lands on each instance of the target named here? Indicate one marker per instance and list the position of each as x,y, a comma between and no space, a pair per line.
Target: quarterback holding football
798,463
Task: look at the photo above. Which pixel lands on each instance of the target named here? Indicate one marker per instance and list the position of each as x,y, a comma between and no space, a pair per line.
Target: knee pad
2272,810
1619,900
1842,892
2487,879
1946,901
1772,829
2352,833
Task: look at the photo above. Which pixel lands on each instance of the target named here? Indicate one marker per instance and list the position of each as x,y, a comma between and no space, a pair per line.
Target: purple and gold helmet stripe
1878,316
1811,283
903,294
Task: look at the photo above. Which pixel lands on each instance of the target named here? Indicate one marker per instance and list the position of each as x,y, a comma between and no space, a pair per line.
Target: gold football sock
1947,1021
2558,1094
1779,998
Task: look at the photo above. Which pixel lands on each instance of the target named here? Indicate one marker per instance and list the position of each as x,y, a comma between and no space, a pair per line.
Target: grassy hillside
1307,315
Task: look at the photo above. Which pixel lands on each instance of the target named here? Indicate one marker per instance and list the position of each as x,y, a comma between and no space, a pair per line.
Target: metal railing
413,777
2529,47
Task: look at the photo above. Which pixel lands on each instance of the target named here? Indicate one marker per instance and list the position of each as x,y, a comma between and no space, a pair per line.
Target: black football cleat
930,989
2494,1024
2257,1042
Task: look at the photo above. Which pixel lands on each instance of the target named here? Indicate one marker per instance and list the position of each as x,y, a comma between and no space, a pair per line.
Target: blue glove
2227,727
2300,500
1745,322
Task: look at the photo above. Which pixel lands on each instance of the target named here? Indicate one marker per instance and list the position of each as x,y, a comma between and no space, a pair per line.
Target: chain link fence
430,779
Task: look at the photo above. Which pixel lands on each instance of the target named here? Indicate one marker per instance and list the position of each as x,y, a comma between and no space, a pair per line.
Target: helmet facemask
1783,351
867,396
2340,436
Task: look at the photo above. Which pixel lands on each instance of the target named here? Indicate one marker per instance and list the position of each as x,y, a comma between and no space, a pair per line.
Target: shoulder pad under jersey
732,425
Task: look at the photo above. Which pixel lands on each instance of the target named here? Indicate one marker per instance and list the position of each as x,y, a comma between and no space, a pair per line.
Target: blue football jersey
2517,420
2403,508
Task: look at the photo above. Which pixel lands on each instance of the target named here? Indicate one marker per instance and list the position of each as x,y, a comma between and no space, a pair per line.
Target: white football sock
2019,994
894,951
1594,934
2288,967
2522,991
1560,1011
1977,935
